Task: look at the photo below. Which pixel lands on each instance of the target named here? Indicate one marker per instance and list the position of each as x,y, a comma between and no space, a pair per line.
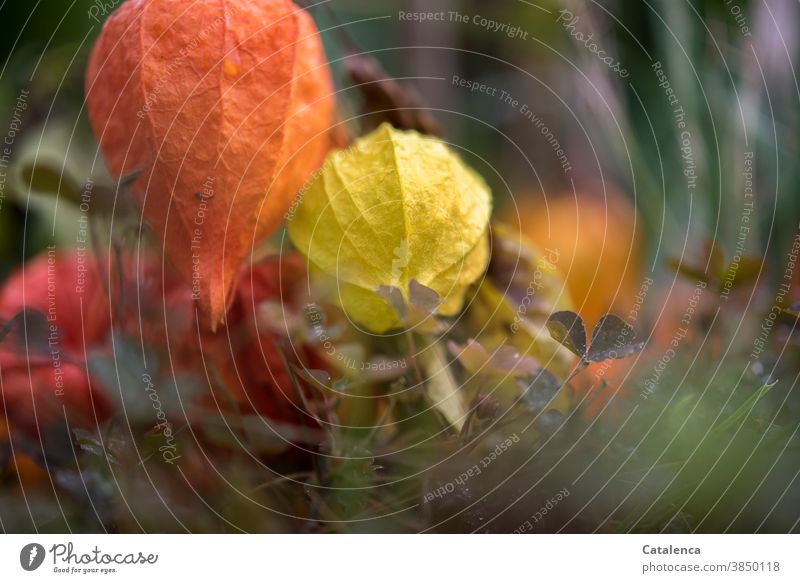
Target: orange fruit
598,247
223,108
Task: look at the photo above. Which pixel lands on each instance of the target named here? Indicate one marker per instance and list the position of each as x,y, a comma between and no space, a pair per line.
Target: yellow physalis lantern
394,207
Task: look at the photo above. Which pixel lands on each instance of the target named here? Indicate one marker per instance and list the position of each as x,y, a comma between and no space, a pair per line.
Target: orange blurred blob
30,474
601,390
599,250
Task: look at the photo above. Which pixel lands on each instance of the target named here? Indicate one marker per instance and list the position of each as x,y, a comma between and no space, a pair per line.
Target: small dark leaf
91,444
320,376
612,338
423,298
394,296
567,328
29,327
539,389
8,326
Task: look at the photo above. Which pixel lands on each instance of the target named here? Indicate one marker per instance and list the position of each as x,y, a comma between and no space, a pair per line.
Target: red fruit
42,368
249,357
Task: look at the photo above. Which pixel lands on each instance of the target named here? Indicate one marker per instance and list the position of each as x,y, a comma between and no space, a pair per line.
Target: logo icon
31,556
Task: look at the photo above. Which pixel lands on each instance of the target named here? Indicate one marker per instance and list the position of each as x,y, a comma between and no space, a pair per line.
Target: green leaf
744,410
92,444
50,180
